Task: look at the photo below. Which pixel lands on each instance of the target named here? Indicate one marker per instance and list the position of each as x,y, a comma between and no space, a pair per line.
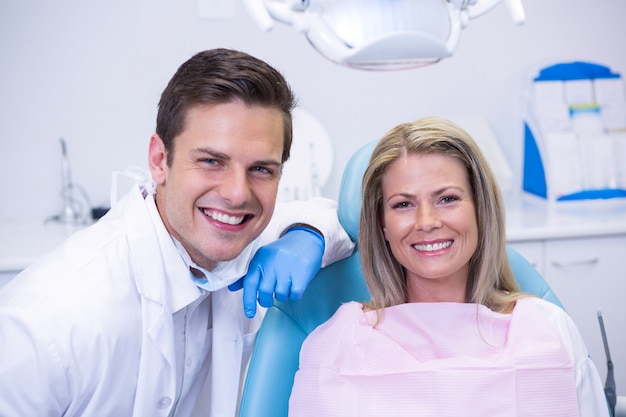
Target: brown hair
222,76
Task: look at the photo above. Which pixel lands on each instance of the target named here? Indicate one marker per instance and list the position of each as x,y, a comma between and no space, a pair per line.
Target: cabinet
588,273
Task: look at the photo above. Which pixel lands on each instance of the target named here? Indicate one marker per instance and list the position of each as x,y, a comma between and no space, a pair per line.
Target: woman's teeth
433,246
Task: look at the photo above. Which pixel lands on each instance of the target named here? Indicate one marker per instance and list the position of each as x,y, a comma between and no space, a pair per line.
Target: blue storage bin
536,180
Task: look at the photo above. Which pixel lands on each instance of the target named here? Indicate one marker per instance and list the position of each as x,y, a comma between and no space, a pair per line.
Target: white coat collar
180,290
225,273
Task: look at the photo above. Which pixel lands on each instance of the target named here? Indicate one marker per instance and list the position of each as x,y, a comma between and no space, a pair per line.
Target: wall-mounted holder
575,135
76,207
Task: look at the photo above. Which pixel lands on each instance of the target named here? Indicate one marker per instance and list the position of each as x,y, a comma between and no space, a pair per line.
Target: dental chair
276,353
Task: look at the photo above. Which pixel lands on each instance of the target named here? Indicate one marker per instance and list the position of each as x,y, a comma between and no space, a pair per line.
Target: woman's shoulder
565,326
347,315
558,318
328,339
546,307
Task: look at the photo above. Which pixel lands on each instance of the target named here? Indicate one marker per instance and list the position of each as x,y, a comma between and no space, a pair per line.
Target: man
131,316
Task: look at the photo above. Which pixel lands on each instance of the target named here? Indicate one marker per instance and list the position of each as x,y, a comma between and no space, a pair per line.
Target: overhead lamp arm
399,34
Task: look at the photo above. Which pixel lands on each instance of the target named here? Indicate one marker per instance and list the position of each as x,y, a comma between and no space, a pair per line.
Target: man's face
219,193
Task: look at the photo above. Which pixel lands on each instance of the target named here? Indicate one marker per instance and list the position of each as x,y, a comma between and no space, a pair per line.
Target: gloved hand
284,268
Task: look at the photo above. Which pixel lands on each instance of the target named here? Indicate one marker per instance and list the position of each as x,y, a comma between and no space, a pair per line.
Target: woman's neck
431,291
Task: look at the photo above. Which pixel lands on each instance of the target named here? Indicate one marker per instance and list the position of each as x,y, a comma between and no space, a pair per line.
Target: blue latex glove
284,268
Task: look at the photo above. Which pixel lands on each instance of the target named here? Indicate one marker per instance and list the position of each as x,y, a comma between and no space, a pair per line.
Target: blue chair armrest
276,354
272,367
529,280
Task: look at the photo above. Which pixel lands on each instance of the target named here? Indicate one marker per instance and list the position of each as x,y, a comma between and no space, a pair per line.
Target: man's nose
235,187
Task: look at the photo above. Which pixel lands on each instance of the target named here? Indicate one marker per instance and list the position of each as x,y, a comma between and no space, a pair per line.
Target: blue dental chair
276,353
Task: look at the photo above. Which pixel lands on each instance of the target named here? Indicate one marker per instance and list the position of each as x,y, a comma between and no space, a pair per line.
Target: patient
447,331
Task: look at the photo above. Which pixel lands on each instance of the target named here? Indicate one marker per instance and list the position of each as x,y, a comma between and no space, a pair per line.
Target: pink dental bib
435,359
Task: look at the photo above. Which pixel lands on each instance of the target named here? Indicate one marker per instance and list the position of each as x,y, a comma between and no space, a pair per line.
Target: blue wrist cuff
307,229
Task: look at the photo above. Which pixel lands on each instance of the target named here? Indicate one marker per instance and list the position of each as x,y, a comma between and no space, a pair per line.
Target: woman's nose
427,218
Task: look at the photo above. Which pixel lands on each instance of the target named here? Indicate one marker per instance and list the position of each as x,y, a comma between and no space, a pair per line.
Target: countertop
21,241
528,218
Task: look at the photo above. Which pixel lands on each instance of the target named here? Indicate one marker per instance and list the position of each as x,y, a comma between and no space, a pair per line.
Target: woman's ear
157,159
382,226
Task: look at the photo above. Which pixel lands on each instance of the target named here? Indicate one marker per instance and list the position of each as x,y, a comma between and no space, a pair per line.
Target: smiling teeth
224,218
433,247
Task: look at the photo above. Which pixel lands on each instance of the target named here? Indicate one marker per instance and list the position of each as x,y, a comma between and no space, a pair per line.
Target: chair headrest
349,200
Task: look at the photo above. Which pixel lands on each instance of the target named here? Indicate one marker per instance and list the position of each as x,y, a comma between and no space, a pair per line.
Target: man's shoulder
87,270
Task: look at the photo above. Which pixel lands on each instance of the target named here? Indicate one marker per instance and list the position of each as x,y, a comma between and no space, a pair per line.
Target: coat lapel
156,380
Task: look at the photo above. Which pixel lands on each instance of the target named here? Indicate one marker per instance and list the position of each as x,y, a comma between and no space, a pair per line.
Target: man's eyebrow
225,157
267,163
207,151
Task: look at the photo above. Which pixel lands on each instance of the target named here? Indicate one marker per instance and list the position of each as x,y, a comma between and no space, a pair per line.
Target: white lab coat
87,329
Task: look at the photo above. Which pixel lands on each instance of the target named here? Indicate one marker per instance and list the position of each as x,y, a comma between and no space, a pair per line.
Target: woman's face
429,220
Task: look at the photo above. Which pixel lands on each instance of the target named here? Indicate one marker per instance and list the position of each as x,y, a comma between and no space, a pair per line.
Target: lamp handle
517,11
290,12
481,7
259,12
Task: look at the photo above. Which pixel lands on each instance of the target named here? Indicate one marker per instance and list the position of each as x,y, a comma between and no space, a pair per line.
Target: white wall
92,71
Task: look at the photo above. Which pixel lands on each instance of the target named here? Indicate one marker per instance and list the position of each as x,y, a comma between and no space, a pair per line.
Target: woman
447,331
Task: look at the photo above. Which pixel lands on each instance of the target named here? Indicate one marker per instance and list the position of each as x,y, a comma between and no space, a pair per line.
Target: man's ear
157,159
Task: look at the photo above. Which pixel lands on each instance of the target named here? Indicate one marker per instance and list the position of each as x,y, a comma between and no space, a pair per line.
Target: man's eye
209,161
262,170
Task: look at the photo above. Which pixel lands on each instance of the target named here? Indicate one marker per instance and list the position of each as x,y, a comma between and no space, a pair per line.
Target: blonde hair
491,281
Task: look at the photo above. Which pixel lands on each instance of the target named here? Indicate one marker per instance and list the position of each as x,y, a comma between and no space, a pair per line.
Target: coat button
164,402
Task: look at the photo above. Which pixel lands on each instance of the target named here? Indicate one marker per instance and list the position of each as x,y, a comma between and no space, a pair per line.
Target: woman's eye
401,204
449,199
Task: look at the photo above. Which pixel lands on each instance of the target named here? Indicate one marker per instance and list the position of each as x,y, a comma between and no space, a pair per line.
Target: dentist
133,316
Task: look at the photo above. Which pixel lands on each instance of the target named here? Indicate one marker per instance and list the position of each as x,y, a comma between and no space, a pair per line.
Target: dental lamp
378,34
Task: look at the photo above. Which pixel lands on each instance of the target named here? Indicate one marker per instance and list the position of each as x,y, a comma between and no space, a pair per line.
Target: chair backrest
276,353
